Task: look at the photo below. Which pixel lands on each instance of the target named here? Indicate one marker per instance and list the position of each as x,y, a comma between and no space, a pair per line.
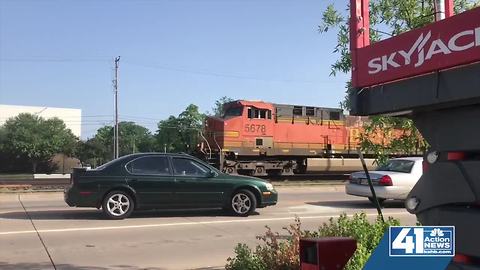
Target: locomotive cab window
334,115
259,113
263,114
297,110
310,111
232,112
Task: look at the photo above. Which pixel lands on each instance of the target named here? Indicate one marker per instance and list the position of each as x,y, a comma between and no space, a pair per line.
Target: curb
30,191
293,184
319,188
8,189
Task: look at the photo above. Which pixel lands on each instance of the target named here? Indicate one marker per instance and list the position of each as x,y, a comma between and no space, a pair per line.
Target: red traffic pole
359,32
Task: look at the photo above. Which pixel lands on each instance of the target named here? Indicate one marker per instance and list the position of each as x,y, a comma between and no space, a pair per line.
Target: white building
71,117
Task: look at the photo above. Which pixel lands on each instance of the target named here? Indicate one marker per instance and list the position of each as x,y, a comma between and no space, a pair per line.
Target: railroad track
35,182
62,182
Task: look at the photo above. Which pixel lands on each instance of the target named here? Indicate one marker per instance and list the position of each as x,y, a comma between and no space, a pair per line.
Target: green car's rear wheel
117,205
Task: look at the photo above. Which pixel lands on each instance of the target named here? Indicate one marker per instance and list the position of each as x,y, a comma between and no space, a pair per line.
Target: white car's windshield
397,165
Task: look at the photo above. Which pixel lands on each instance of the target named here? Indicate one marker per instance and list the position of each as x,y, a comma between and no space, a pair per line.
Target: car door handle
132,180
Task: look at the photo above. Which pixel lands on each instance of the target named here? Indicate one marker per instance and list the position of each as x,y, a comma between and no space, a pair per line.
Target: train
261,138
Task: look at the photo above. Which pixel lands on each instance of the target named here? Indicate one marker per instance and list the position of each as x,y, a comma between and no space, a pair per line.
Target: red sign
448,43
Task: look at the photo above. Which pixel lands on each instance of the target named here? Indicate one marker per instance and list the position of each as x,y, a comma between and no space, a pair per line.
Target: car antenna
375,199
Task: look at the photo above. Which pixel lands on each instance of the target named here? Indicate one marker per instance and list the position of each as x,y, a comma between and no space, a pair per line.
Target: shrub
282,253
367,234
245,259
274,252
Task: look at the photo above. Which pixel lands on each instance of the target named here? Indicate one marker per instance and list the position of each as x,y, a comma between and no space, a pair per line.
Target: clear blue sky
60,53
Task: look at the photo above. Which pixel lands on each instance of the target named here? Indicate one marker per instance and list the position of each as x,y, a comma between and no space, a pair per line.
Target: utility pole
115,89
439,10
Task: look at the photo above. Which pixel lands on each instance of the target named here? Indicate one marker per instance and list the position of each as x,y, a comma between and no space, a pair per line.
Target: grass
19,176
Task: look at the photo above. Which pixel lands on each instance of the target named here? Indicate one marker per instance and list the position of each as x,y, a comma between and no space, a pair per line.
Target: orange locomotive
259,138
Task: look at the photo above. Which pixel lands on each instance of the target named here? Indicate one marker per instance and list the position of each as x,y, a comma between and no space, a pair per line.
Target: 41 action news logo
422,241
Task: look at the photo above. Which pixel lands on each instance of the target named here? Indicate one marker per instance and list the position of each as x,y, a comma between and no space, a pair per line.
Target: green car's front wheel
243,203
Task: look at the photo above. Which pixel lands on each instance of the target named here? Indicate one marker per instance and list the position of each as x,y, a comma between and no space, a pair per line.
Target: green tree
218,107
386,136
92,152
104,137
5,157
3,139
167,137
35,139
191,122
133,138
387,18
180,134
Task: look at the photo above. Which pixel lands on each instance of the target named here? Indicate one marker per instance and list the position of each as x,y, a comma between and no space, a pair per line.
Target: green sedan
173,181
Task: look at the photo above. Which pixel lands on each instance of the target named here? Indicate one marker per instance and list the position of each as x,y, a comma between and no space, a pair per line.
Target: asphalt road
77,238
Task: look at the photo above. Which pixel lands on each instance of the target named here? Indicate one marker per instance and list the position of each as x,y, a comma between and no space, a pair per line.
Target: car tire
118,205
243,203
381,201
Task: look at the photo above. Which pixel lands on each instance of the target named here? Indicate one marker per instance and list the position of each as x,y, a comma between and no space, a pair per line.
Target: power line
218,74
166,126
139,117
169,68
54,60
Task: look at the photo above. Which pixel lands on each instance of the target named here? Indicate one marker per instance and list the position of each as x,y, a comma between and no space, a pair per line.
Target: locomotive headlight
269,186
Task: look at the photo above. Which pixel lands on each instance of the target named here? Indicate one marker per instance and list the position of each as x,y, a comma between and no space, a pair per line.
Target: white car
394,180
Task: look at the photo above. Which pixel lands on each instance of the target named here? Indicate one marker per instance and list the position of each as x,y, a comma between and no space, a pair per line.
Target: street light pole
115,85
439,10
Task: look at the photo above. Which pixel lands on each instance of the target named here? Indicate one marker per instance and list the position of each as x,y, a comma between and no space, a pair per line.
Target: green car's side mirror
212,174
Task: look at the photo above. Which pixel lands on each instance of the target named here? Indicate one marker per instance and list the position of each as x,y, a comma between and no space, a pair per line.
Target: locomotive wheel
230,170
301,170
260,171
287,171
